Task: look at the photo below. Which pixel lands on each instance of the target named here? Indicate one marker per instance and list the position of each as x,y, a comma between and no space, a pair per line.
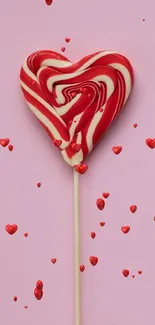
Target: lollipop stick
77,245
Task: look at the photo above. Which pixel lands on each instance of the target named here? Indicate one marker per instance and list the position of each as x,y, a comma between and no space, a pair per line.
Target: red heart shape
125,273
117,149
81,169
38,293
150,142
4,142
11,229
125,229
76,103
93,260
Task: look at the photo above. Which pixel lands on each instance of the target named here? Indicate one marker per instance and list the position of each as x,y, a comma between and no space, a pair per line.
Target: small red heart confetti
82,268
4,142
81,169
10,147
25,307
150,143
67,40
39,285
133,276
38,293
140,272
125,229
57,143
11,229
117,149
76,147
105,195
102,224
133,208
39,184
26,234
125,273
49,2
93,234
100,204
135,125
63,49
53,260
93,260
154,218
15,298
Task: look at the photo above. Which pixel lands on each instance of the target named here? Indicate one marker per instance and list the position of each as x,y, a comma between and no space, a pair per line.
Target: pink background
46,213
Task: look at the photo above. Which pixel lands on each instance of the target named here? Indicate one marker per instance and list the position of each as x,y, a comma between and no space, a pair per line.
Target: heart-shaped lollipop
76,103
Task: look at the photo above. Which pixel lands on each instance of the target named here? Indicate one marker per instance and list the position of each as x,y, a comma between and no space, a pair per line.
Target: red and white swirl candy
76,103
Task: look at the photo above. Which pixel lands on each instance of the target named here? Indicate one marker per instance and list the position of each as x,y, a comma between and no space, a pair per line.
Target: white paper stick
77,246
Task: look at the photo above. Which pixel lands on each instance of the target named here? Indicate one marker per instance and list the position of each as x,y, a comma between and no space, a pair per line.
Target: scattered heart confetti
93,260
25,307
39,184
133,276
4,142
49,2
125,229
38,293
10,147
11,229
117,149
102,223
63,49
100,204
76,147
67,40
125,273
82,268
15,298
81,169
26,234
135,125
39,285
53,260
93,235
150,143
133,208
57,143
105,195
140,272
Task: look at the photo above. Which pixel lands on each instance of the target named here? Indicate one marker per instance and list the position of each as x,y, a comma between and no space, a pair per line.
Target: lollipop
76,104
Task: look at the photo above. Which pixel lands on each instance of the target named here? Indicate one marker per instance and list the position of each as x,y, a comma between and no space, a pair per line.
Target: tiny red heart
39,184
38,293
100,204
125,229
93,260
11,229
53,260
102,224
4,142
67,40
26,234
49,2
150,143
39,285
63,49
105,195
133,276
82,268
135,125
76,147
93,234
81,169
15,298
117,149
25,307
133,208
57,143
140,272
10,147
125,273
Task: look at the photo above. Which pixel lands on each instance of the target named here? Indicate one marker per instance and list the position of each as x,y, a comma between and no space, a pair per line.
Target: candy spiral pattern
76,103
